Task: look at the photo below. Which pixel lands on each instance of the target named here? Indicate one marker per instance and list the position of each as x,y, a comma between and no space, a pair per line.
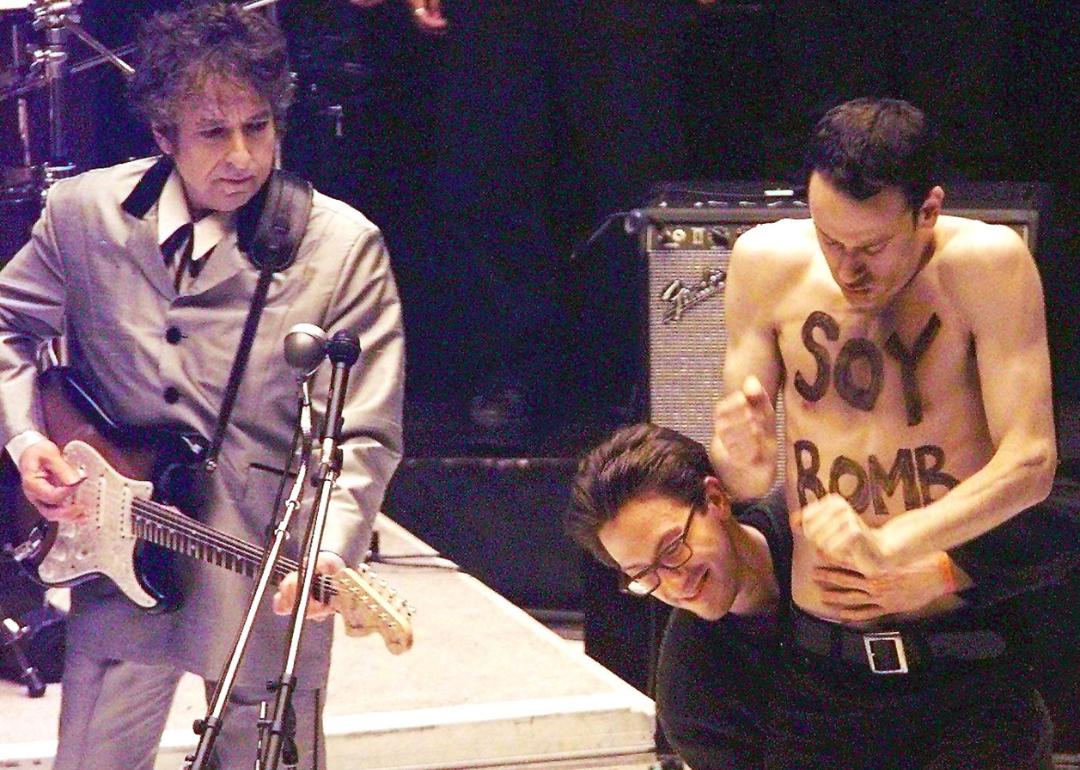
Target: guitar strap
269,232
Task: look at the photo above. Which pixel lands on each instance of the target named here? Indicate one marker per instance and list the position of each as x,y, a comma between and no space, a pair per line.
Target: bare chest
883,408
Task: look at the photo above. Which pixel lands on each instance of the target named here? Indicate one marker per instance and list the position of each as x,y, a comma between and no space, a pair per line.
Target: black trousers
958,717
729,697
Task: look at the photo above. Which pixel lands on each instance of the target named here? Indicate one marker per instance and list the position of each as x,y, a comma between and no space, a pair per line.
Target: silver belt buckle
885,652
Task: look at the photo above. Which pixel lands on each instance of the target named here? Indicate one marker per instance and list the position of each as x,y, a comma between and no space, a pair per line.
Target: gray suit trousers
113,713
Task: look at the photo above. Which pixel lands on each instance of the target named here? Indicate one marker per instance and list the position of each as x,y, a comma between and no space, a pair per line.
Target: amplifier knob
719,238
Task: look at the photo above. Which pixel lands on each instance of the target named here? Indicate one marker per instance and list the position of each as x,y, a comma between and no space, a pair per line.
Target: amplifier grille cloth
686,353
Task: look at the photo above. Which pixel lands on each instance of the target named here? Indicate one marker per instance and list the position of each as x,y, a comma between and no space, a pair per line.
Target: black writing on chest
916,472
858,373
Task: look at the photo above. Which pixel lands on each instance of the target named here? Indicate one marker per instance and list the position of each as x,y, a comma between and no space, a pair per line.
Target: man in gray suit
154,335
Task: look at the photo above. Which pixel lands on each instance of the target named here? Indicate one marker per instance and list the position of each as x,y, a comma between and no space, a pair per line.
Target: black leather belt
901,651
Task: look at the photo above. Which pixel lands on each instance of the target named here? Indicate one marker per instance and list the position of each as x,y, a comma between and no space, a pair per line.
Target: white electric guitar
129,538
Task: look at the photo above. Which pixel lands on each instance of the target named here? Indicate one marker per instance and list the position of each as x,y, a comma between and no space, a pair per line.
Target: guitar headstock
367,604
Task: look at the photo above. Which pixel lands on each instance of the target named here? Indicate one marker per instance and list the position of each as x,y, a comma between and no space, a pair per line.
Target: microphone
305,348
343,351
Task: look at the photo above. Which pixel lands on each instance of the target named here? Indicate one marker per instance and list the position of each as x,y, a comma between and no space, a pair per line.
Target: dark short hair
635,462
179,51
867,145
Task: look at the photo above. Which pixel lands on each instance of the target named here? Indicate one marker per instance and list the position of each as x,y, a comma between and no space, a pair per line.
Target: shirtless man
910,350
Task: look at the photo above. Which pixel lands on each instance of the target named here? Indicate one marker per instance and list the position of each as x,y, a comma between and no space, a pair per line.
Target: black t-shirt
714,678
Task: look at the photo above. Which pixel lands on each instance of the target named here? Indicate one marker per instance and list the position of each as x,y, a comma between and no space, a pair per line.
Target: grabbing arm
995,286
744,442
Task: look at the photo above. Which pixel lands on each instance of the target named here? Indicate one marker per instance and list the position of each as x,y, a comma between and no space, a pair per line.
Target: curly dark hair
867,145
181,50
635,462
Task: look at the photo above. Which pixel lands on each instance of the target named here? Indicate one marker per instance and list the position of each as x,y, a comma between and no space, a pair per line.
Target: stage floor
484,686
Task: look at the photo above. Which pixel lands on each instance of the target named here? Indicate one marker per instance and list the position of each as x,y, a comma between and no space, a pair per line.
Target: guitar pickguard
103,541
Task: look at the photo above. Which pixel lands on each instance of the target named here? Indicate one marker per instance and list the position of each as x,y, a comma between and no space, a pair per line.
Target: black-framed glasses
672,556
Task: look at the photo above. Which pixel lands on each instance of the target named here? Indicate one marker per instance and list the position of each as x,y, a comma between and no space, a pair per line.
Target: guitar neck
172,530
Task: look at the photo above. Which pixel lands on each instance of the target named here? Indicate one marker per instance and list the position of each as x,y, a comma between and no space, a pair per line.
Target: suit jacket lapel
230,255
226,260
223,263
142,246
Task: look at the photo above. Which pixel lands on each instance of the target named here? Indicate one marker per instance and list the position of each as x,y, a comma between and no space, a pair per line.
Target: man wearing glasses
648,503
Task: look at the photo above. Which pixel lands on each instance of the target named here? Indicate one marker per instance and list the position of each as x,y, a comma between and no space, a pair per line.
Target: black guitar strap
280,219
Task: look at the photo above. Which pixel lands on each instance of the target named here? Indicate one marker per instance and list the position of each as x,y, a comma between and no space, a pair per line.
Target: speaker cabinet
687,250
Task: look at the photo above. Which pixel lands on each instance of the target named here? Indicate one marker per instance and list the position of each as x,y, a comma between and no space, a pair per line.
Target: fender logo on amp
679,297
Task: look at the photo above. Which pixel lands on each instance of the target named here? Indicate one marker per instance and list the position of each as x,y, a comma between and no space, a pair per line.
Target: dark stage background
486,155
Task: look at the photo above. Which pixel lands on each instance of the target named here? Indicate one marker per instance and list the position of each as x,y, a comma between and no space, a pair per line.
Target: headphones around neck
270,226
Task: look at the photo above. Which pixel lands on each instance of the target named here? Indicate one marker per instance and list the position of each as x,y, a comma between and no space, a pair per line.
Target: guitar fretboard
166,527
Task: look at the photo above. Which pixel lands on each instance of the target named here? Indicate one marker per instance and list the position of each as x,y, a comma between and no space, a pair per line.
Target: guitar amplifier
686,234
687,242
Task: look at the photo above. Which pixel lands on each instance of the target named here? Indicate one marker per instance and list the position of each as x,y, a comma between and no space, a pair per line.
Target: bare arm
996,286
1029,552
743,448
854,597
1003,299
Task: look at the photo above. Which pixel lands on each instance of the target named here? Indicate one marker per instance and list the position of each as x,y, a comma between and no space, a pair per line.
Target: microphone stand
343,351
50,69
208,728
10,638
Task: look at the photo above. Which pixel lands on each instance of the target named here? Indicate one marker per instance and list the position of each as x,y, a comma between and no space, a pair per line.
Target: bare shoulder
969,244
984,267
776,249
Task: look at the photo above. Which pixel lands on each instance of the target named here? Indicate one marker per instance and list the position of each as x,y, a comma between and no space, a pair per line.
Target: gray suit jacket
92,271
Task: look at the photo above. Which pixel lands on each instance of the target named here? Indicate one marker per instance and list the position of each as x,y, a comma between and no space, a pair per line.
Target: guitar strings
170,522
